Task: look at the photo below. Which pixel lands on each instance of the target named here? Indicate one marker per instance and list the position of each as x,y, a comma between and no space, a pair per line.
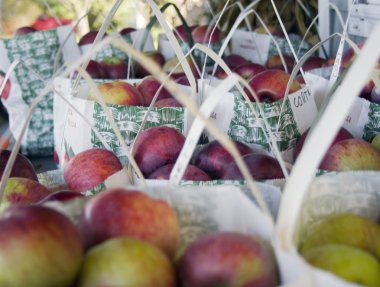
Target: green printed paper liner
300,194
73,135
37,53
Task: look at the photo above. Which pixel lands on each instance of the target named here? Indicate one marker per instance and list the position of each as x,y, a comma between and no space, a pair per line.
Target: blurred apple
260,166
166,103
214,159
45,22
122,212
148,88
341,135
156,56
156,147
20,190
312,63
376,141
39,248
120,93
274,62
270,85
170,66
89,168
339,228
347,262
202,34
114,68
125,262
191,173
24,30
249,70
95,70
89,37
180,32
351,154
234,60
228,259
127,30
275,31
22,166
7,89
62,195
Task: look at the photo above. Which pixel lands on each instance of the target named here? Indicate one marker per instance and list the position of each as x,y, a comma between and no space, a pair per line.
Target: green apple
376,141
125,261
345,228
347,262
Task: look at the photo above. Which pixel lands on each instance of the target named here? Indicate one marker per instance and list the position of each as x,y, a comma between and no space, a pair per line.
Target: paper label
318,87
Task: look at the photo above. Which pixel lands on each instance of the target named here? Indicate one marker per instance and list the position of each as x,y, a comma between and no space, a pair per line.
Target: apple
127,31
312,63
24,30
169,102
351,154
274,62
22,166
156,147
7,89
202,34
20,190
156,56
95,70
148,88
180,32
351,264
40,247
89,38
339,229
341,135
270,85
233,61
213,158
114,67
45,22
126,261
228,259
260,166
89,168
376,141
170,66
122,212
249,70
120,93
62,195
191,173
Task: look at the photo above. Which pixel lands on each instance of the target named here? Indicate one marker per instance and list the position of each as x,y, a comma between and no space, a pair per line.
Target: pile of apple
347,245
123,237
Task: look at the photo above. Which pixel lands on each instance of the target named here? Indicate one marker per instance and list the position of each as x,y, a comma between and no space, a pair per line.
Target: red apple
22,166
20,190
312,63
7,89
39,247
170,66
89,168
233,61
122,212
274,62
95,70
45,22
114,67
351,154
249,70
166,103
126,31
202,34
181,79
62,195
270,85
156,147
260,166
88,38
148,88
126,262
180,32
228,259
192,173
213,158
24,30
341,135
156,56
120,93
